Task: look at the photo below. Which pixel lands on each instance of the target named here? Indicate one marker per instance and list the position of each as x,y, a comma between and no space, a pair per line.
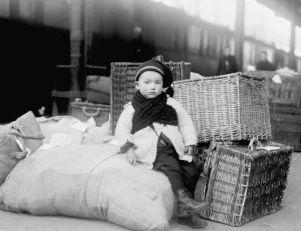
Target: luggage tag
77,125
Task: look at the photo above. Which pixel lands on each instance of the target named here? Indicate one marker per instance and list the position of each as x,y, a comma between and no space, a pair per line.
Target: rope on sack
15,130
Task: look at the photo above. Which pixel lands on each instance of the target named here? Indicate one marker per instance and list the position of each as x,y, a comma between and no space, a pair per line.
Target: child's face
150,84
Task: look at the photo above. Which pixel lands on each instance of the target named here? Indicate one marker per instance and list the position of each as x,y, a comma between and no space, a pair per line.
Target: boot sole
191,226
200,210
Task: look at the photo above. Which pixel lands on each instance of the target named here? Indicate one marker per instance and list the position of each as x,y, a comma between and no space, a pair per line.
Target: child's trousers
181,174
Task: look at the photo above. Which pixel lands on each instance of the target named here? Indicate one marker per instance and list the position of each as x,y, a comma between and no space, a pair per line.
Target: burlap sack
8,158
27,130
89,182
60,124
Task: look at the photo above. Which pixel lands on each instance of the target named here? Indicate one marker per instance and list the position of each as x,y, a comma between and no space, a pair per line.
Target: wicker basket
226,107
241,184
278,108
288,92
123,84
85,110
286,128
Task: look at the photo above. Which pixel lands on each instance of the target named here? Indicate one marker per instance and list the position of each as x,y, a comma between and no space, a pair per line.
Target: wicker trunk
286,124
241,184
226,107
123,84
286,128
288,92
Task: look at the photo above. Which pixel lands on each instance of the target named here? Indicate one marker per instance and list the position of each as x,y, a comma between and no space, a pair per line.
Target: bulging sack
60,125
8,159
27,130
89,182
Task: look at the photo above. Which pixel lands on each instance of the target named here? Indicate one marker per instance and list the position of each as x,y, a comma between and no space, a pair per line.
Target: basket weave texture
288,92
286,128
243,185
226,107
123,84
286,124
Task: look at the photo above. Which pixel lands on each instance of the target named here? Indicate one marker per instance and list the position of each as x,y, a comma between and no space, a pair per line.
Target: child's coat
146,139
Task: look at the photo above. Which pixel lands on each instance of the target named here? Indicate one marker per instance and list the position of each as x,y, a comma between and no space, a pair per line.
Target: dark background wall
30,50
165,32
29,54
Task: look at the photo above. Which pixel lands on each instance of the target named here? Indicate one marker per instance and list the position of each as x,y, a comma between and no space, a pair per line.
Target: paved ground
288,218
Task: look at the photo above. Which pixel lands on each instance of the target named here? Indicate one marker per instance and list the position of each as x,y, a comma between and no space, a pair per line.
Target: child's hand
131,156
189,150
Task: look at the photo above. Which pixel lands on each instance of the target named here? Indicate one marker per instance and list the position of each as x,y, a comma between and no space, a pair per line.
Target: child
155,130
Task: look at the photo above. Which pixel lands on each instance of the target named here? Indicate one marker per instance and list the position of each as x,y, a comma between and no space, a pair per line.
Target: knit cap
159,67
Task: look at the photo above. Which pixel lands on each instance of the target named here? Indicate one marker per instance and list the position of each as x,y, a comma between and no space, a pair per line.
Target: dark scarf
148,111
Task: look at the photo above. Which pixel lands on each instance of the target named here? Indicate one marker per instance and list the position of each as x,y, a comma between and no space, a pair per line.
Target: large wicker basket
288,92
241,184
226,107
123,84
286,124
286,128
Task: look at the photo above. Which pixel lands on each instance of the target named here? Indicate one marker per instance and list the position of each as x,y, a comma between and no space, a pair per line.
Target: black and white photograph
150,115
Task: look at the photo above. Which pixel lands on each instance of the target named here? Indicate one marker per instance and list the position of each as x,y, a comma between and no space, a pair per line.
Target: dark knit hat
159,67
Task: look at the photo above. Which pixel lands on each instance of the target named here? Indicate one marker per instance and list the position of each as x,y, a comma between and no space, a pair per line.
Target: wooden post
239,33
292,39
39,11
14,9
76,40
88,30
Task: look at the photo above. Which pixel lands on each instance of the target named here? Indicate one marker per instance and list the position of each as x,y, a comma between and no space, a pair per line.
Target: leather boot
187,205
193,221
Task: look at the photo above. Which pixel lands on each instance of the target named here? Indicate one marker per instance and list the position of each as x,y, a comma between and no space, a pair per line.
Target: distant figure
139,50
137,40
227,63
264,64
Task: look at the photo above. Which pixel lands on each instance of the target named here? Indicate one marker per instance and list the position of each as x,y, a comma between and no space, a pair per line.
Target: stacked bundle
239,183
77,173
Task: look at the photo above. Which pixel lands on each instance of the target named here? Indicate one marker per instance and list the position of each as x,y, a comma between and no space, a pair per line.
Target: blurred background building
48,47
